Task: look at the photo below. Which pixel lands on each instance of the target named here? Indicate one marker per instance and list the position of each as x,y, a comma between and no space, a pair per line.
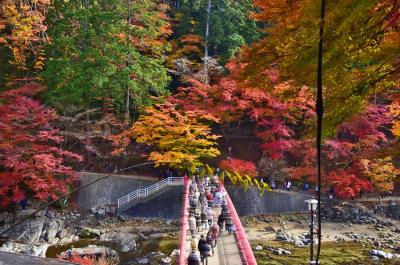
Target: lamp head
312,204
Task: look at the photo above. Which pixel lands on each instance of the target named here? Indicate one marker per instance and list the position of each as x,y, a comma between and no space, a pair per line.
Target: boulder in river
91,250
33,250
88,232
383,255
28,232
126,241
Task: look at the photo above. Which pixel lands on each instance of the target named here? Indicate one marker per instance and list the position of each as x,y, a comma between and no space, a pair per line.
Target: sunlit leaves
360,54
244,180
239,166
395,111
179,138
23,31
382,173
347,185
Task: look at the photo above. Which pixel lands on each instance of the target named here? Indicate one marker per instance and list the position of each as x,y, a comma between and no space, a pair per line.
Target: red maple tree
31,163
284,120
240,166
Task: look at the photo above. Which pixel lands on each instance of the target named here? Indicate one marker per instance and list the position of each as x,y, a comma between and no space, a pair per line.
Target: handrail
246,252
184,223
142,193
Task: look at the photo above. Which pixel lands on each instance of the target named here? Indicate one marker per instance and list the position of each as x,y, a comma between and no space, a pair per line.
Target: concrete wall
168,203
108,190
250,203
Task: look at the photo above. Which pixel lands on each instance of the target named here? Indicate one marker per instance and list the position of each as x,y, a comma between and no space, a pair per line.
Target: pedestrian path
226,251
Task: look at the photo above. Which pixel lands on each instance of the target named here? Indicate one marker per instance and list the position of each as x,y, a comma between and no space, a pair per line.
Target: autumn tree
186,61
360,51
31,163
179,139
347,154
395,111
284,120
22,37
230,26
240,166
382,173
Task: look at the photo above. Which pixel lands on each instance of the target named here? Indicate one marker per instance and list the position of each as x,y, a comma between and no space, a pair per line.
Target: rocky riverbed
350,235
51,234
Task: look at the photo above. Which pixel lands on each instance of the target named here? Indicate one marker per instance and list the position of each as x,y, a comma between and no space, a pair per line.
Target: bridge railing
246,252
142,193
184,224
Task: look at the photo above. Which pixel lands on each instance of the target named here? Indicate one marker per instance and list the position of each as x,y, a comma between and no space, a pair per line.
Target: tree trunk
128,61
87,136
127,113
206,79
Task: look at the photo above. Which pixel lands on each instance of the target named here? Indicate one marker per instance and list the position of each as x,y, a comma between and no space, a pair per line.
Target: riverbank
136,241
284,239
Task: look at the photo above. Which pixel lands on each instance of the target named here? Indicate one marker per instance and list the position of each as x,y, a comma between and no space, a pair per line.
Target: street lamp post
312,207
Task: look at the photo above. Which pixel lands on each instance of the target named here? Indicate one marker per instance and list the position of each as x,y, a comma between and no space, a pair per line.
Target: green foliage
230,24
360,50
94,55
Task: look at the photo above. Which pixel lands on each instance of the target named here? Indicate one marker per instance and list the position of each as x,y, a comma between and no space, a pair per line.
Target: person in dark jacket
205,249
194,259
202,241
229,226
221,221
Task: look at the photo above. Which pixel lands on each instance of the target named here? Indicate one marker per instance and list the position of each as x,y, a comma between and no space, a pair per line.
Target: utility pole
206,79
128,61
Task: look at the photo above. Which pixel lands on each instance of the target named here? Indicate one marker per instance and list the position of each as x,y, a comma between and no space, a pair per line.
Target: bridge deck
226,252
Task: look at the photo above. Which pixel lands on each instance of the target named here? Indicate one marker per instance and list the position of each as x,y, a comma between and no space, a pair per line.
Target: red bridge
231,249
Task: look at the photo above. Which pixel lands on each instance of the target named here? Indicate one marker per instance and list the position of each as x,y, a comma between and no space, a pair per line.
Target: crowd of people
208,216
289,186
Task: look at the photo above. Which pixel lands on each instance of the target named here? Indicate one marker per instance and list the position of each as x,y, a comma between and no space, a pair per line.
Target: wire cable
69,194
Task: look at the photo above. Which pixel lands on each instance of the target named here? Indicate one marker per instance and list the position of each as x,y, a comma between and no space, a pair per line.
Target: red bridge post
184,223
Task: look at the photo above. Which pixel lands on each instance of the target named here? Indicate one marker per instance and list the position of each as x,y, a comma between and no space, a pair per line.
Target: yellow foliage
381,172
245,181
179,139
26,20
395,111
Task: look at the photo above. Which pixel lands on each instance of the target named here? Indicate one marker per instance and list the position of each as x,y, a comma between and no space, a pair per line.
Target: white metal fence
142,193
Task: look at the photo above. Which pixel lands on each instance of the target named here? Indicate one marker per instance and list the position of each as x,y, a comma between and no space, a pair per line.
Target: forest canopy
84,79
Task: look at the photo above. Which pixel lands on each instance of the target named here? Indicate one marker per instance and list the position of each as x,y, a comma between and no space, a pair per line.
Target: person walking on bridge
210,216
211,241
194,259
192,224
204,218
229,226
214,231
205,250
198,221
